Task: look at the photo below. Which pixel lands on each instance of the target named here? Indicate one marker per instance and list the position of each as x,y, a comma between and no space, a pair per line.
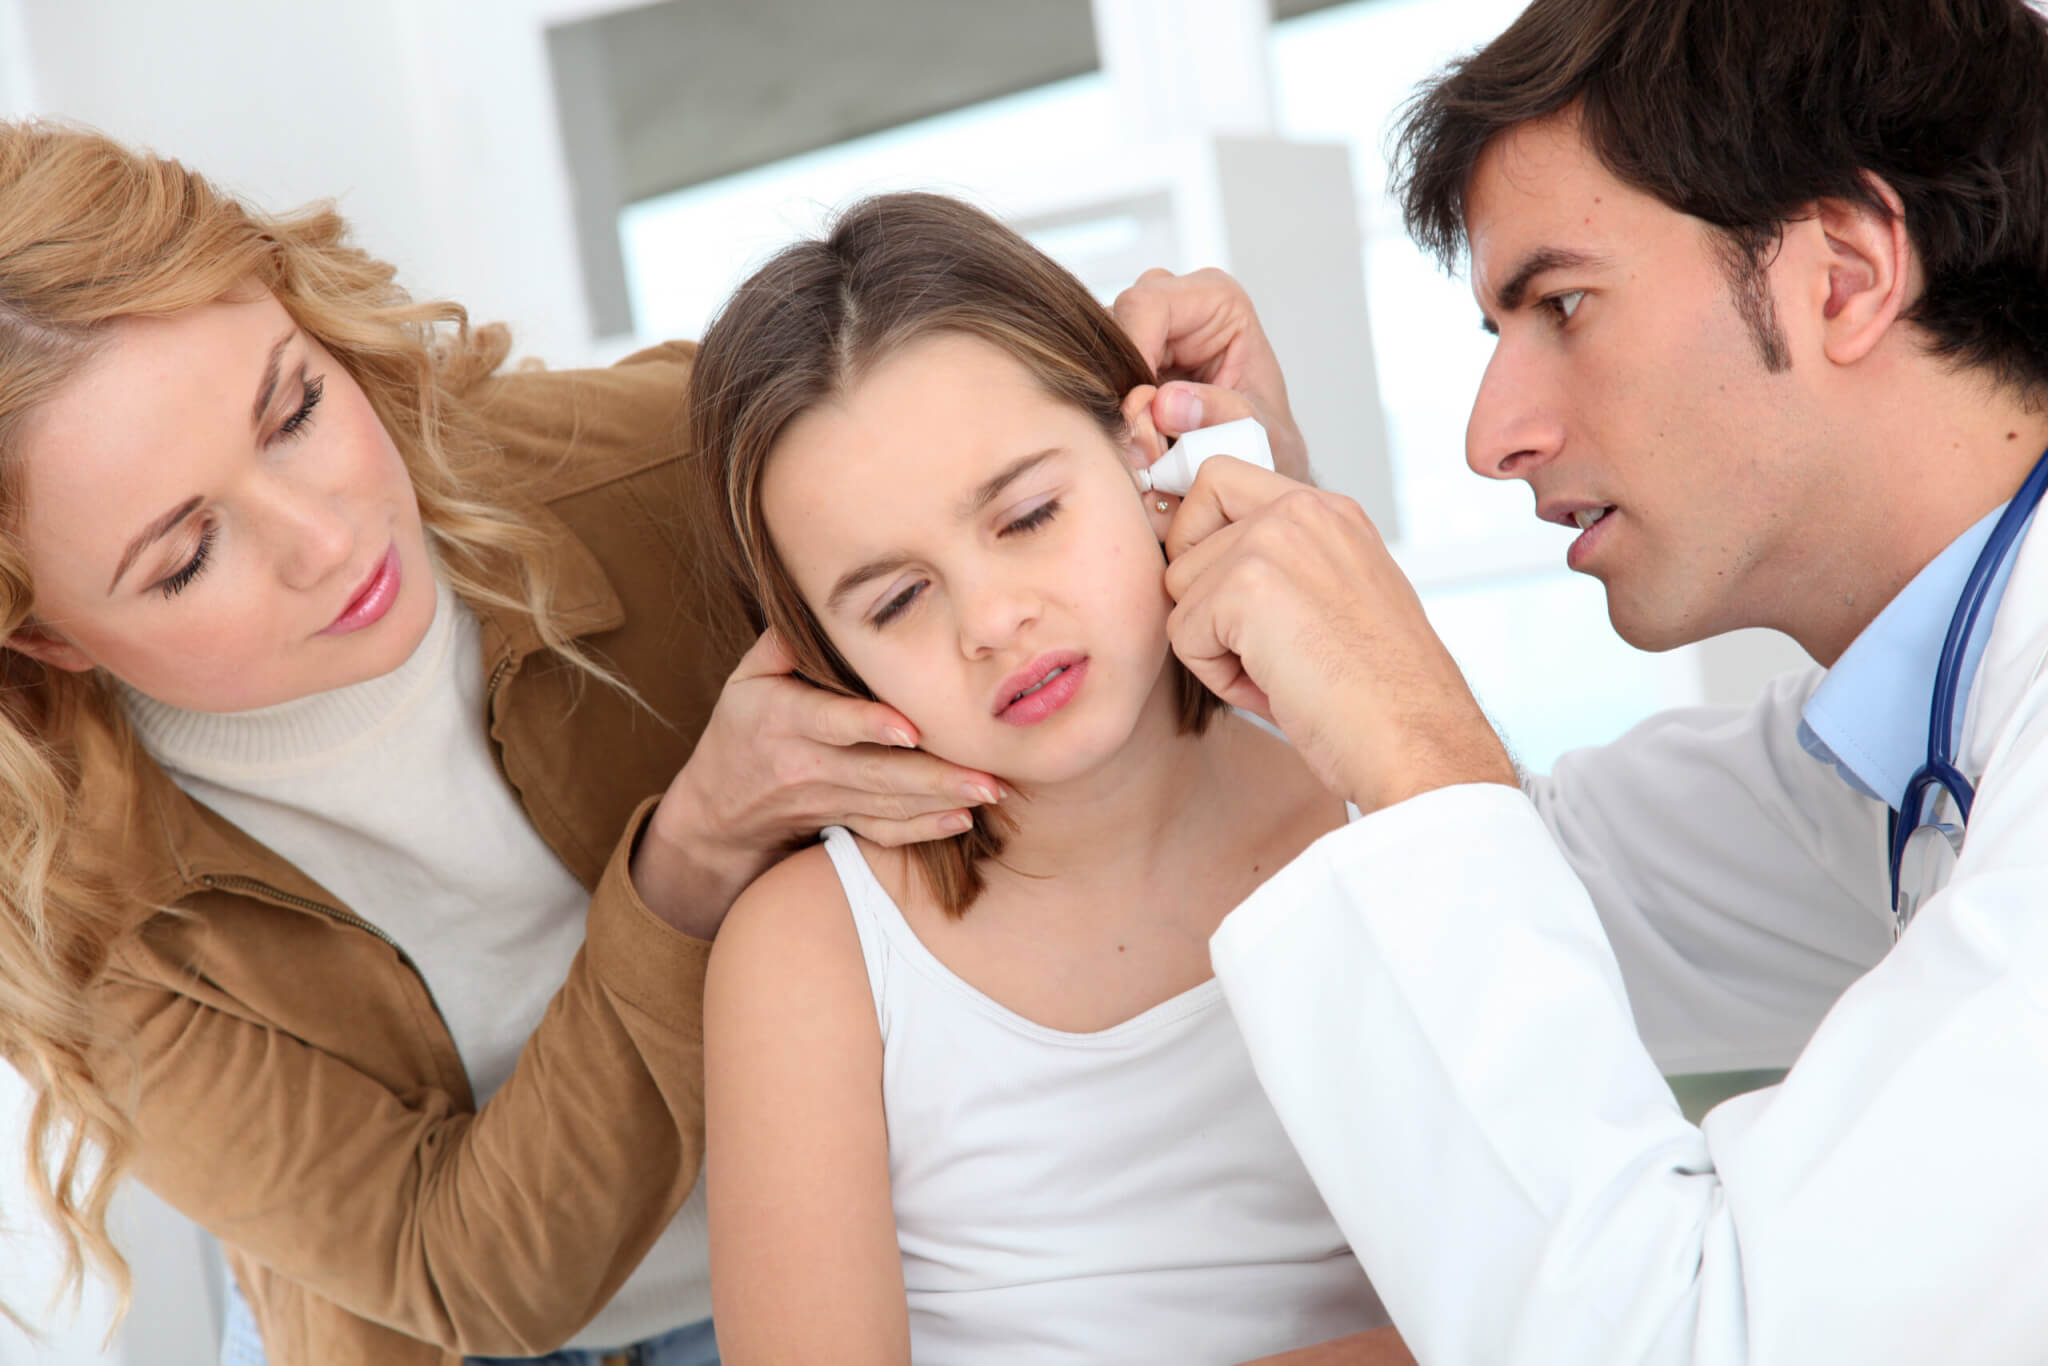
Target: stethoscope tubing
1940,769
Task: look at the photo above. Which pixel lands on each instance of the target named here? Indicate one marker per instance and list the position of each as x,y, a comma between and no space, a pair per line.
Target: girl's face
978,552
215,516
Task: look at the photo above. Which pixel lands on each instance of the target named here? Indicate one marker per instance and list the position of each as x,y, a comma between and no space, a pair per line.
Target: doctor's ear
1872,271
46,646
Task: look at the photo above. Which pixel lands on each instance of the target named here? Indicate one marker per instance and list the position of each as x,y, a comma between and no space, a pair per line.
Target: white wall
430,123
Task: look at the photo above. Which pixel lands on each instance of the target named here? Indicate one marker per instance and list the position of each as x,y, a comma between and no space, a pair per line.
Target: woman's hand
778,761
1202,337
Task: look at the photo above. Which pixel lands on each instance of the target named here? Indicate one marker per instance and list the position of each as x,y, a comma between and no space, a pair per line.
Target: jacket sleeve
1741,882
1442,1027
499,1232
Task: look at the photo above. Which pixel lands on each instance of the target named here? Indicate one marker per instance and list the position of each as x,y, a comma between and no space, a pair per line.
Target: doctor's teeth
1588,517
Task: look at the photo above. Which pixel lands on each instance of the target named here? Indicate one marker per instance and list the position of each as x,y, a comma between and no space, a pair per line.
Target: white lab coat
1431,1002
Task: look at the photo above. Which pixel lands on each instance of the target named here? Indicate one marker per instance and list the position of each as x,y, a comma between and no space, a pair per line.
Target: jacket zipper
234,882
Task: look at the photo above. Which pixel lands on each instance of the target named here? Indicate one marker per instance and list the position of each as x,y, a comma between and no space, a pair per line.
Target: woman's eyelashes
311,387
182,579
901,601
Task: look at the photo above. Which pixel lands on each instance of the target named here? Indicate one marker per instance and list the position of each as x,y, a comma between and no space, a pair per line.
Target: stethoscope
1924,852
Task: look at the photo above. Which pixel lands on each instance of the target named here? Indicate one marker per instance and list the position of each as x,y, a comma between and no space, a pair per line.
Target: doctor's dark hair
1743,113
807,326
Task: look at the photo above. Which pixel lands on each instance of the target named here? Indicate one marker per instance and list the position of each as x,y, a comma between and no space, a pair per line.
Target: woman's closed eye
181,579
311,387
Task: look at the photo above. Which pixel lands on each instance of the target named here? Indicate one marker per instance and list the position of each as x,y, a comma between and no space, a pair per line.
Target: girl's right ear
45,646
1142,445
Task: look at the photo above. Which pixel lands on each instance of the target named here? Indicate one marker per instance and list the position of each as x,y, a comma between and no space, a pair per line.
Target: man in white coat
1770,283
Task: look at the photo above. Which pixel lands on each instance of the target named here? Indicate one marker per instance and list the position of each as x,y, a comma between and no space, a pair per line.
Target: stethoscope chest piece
1926,863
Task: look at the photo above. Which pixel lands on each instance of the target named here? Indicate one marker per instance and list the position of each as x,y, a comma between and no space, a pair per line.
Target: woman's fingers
896,834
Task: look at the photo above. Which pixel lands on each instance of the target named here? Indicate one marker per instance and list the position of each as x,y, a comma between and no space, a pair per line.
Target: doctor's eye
1565,304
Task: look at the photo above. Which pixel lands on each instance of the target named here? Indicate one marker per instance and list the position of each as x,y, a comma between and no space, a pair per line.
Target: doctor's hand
1288,604
778,761
1201,336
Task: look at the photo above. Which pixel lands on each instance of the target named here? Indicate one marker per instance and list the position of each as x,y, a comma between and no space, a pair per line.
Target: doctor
1770,284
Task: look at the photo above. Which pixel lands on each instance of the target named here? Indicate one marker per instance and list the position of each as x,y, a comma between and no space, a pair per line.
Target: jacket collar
167,846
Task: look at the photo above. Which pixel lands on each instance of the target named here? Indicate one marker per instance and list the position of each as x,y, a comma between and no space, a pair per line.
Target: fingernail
956,824
1183,407
901,738
976,792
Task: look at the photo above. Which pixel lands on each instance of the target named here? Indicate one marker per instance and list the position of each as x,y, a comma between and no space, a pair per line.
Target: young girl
982,1101
343,897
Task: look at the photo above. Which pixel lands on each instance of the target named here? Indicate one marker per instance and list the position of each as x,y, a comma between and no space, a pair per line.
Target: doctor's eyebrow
1541,261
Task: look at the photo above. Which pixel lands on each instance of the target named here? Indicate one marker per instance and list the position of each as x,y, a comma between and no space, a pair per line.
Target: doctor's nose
1513,430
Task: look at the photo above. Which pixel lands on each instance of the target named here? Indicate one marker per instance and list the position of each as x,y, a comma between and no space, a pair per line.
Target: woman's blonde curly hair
92,232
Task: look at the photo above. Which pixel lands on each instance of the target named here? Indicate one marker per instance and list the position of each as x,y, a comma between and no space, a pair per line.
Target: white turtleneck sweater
386,794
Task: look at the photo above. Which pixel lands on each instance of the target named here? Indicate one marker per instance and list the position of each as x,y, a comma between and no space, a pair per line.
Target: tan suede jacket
299,1094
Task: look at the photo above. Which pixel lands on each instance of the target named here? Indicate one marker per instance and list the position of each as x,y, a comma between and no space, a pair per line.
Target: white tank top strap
876,917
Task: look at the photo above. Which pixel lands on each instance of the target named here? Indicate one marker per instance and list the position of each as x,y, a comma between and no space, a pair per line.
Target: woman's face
215,516
978,552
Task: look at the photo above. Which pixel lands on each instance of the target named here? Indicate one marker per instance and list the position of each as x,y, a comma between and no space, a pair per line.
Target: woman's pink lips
372,600
1052,695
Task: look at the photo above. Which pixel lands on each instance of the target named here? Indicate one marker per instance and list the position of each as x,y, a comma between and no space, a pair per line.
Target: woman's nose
1514,428
315,534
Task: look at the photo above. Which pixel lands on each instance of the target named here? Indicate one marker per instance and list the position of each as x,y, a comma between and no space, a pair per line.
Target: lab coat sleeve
1441,1025
1740,880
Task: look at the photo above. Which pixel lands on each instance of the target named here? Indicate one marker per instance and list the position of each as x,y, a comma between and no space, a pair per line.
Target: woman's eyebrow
270,373
155,531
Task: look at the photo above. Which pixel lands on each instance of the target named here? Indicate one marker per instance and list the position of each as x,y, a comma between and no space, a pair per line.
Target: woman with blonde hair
368,787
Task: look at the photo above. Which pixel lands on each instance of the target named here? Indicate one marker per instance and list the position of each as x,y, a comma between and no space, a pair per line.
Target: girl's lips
1048,684
372,600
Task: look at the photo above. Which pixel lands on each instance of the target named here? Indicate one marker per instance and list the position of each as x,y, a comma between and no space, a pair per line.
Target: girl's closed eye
897,605
1034,519
182,579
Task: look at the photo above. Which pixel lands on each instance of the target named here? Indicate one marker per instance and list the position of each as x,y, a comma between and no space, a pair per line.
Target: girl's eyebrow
866,573
993,488
990,490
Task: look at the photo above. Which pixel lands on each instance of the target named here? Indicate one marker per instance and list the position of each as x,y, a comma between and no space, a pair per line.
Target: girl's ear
1142,445
46,646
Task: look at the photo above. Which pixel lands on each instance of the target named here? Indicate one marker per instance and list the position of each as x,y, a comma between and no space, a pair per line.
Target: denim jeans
690,1345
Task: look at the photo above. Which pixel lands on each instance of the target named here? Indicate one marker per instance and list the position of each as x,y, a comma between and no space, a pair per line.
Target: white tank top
1121,1196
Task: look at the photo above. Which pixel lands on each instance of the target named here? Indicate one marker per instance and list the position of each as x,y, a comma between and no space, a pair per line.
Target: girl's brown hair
91,233
806,326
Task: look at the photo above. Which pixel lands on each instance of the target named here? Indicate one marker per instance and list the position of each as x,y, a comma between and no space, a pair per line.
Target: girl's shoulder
794,910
